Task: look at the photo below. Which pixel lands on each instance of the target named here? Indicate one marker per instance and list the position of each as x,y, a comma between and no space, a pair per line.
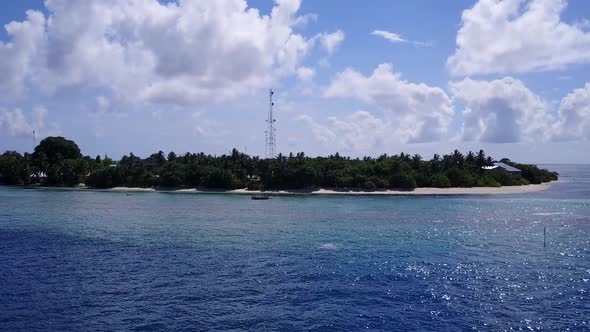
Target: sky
360,78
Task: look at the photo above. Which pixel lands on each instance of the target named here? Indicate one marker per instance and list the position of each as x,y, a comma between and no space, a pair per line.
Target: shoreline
505,190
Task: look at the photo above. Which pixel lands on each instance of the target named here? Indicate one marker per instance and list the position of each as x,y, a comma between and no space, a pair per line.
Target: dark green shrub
369,186
402,181
422,180
440,181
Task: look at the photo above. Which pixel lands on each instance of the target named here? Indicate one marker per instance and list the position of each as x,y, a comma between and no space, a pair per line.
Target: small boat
260,196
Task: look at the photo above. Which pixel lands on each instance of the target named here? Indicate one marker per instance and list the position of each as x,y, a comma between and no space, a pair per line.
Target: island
58,163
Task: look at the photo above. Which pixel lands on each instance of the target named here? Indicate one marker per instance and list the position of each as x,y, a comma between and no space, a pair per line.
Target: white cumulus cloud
331,41
359,131
181,52
18,56
501,111
207,128
513,36
305,73
414,112
574,116
16,122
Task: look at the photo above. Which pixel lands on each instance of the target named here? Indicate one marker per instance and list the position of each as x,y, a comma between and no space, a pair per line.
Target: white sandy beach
417,191
131,189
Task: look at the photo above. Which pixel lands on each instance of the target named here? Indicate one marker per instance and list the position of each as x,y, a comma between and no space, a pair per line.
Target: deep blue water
73,261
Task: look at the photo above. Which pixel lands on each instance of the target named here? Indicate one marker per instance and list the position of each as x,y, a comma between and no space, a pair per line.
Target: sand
417,191
131,189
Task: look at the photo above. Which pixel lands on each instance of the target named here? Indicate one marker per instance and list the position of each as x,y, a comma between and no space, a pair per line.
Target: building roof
39,174
507,167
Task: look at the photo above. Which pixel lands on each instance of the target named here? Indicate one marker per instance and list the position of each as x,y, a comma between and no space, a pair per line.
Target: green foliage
56,148
172,174
504,178
487,181
62,163
423,180
402,181
148,180
254,185
380,183
105,178
535,175
440,180
460,178
369,186
14,168
220,179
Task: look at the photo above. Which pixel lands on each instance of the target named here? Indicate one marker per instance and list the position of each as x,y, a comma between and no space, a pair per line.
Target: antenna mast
271,138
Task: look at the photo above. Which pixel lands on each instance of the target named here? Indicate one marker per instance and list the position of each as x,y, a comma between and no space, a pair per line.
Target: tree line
57,161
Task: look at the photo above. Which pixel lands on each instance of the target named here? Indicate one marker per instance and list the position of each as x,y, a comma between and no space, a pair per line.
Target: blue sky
421,77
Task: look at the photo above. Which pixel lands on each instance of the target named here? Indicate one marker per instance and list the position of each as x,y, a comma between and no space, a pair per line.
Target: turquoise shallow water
107,261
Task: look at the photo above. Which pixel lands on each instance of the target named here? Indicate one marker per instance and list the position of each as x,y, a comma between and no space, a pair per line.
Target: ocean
91,260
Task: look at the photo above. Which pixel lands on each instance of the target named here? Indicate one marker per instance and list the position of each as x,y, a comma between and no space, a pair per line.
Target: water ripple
103,261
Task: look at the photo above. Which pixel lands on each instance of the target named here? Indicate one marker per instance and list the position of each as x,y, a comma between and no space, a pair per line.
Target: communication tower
271,134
